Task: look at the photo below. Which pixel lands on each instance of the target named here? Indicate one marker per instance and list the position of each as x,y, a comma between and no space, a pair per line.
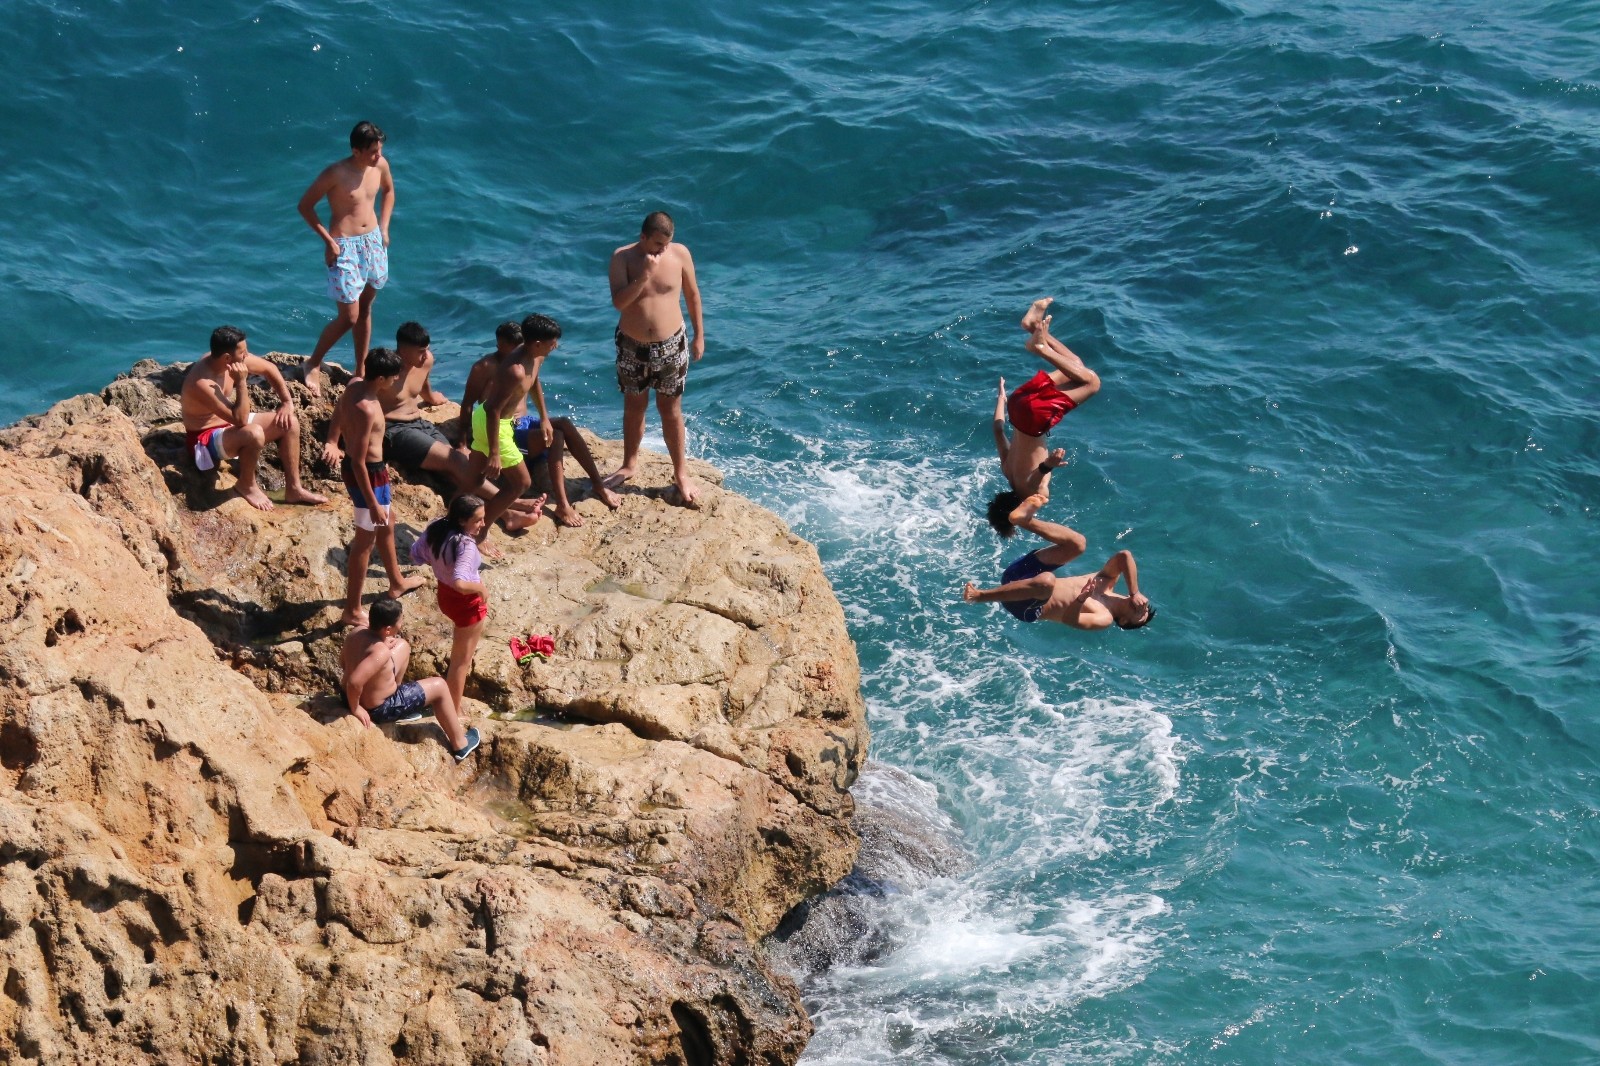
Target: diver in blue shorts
1030,590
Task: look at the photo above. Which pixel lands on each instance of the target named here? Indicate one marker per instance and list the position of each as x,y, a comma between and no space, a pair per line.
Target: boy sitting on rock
375,658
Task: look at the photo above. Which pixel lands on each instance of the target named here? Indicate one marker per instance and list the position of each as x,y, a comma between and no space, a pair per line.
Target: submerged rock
203,858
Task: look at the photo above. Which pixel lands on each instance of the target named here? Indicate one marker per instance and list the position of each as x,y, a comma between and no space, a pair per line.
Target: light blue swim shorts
363,261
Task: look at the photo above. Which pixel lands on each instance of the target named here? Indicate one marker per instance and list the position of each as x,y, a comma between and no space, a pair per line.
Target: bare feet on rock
357,619
255,498
305,496
518,519
407,584
568,516
312,376
606,496
688,494
1035,313
618,477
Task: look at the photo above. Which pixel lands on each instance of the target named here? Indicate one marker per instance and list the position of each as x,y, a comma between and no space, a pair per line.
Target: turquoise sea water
1335,263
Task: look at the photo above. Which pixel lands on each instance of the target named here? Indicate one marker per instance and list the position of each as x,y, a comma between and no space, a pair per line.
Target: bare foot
568,516
517,520
299,494
687,494
359,618
1028,508
256,498
606,496
490,550
970,593
405,585
618,477
1035,312
525,506
312,376
1038,337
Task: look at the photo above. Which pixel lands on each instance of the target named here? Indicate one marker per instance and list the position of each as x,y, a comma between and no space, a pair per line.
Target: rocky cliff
202,858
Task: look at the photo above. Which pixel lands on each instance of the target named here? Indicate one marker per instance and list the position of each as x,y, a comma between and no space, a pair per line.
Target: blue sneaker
473,740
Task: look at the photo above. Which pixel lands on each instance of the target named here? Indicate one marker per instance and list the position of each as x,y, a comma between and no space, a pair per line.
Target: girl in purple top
450,547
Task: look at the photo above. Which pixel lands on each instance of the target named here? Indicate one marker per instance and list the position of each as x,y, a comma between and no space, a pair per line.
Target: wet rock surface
203,858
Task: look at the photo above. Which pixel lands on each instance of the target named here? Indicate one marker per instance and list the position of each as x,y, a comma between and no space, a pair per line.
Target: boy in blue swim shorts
1029,589
355,242
374,660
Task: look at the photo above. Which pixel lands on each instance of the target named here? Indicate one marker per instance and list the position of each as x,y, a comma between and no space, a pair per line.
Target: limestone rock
203,858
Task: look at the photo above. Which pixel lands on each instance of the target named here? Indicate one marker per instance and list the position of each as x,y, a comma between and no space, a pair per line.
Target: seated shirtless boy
1030,589
375,658
1033,410
542,440
220,425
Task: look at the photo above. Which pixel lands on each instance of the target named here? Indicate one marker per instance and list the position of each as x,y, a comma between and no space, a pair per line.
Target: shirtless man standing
366,478
648,278
413,441
219,423
375,659
534,440
1033,410
493,435
1030,589
355,242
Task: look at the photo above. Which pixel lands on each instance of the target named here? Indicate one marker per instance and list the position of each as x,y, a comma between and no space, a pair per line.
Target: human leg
361,329
446,710
357,557
244,444
1034,588
288,437
634,407
567,432
399,583
344,319
555,469
463,646
1070,375
672,428
1066,544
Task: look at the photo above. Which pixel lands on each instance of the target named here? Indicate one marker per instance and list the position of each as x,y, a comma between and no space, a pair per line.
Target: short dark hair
365,135
1149,616
657,222
225,339
412,335
1000,508
540,328
383,612
510,332
383,363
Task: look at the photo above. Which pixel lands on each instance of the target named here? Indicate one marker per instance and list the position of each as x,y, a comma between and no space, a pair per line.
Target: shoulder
258,365
682,252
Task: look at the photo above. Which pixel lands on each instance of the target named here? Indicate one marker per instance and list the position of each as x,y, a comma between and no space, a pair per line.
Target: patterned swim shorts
659,365
363,261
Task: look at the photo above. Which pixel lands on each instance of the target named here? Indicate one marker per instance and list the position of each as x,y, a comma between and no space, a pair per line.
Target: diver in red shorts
1033,411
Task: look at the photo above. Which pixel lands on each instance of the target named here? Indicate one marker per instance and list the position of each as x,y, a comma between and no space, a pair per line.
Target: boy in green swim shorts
493,429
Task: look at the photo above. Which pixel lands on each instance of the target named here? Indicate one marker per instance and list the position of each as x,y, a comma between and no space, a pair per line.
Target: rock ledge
203,859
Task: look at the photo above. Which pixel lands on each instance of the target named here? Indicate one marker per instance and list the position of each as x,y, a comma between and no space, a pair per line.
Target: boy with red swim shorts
1033,411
